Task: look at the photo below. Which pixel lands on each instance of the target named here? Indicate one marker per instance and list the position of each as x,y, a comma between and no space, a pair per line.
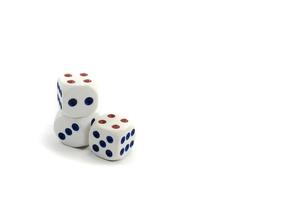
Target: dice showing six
77,95
111,136
72,131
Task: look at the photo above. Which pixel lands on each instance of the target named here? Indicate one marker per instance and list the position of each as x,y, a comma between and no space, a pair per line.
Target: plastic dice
111,136
77,95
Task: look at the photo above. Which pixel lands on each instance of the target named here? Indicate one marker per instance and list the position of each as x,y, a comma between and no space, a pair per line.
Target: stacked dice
77,98
109,136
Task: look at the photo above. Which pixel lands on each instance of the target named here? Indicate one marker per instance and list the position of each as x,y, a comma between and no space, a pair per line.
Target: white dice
77,95
73,131
111,137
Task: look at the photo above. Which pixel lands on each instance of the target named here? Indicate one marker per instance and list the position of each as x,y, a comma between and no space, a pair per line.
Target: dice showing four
111,136
72,131
77,95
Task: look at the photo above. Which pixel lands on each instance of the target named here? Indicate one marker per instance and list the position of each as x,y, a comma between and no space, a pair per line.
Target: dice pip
111,137
72,131
76,94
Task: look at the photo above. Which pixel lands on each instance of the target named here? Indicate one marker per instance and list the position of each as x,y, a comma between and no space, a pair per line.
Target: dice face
76,95
72,131
111,137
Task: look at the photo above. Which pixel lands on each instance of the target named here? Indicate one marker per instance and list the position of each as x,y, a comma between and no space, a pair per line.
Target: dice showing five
111,136
76,95
72,131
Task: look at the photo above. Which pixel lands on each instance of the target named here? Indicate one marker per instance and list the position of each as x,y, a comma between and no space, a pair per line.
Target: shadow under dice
72,131
111,137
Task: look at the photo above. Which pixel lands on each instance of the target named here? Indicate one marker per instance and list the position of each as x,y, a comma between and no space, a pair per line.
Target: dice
73,131
111,136
76,95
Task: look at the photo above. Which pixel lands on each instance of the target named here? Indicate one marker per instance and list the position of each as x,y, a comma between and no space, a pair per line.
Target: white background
213,88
